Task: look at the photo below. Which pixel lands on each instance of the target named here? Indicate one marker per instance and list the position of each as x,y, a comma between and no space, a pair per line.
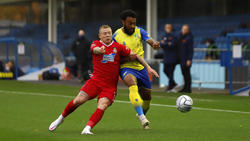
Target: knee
145,93
81,98
136,100
78,101
134,95
103,104
130,80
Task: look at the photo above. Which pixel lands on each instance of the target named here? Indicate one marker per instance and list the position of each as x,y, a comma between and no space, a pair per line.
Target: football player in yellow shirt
134,75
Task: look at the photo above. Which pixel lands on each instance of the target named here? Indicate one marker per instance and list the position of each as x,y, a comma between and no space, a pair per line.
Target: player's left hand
153,72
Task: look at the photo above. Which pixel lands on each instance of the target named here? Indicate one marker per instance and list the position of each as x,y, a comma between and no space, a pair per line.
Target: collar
107,45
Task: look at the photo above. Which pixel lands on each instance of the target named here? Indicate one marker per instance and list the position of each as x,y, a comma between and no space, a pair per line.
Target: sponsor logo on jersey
108,58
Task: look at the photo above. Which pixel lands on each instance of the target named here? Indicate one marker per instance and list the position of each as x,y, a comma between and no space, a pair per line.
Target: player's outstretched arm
145,64
99,50
133,57
153,43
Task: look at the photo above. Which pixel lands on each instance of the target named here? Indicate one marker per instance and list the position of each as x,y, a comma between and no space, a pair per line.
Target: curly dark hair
127,13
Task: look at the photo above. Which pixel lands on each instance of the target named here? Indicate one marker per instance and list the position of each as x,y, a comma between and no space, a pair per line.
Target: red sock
95,118
69,109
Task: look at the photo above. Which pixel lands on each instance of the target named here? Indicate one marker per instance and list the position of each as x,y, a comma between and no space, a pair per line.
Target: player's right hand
99,50
102,50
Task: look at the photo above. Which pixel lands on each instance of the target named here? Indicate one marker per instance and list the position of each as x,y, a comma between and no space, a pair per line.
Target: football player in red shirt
106,56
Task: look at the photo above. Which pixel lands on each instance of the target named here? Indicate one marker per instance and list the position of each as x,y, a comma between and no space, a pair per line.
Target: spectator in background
169,46
246,52
211,53
81,50
11,67
1,66
185,46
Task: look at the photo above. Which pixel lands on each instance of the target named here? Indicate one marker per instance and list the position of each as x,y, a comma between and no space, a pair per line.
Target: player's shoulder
118,30
97,42
116,34
118,44
139,28
144,33
142,30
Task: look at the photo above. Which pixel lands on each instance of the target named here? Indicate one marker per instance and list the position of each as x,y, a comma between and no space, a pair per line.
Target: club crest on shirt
115,50
137,36
108,58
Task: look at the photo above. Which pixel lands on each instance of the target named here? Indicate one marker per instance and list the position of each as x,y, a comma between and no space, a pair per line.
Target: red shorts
92,89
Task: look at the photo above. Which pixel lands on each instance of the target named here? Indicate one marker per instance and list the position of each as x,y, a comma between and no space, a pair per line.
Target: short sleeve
144,34
124,51
93,45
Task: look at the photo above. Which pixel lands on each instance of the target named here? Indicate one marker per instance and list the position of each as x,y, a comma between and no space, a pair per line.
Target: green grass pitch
26,111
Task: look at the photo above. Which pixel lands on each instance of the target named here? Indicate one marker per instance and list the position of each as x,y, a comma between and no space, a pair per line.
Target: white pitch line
197,108
120,101
195,99
36,94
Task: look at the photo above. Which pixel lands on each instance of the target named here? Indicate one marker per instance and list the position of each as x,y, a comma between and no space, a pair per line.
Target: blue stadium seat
202,27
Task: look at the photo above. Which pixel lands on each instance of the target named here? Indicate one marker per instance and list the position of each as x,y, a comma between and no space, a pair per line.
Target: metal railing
206,71
36,53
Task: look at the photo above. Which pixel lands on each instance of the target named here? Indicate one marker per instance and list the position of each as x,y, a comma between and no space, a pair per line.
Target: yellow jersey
133,42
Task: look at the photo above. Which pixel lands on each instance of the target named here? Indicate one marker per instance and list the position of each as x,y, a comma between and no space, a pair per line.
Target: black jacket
81,49
185,48
1,67
170,48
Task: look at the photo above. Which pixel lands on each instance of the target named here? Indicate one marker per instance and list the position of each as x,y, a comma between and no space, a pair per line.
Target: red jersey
106,66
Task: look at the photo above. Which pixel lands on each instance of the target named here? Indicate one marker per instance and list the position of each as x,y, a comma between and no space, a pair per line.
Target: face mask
127,31
7,68
81,36
207,44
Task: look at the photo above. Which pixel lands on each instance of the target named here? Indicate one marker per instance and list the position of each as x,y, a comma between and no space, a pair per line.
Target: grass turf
27,110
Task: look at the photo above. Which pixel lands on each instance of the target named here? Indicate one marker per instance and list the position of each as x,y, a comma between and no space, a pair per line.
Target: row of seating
202,27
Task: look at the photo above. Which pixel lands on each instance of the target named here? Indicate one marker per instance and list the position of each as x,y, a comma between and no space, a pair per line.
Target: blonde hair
104,27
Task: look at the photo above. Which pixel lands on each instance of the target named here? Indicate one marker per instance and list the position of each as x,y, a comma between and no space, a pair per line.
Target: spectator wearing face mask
211,53
1,67
186,51
81,50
